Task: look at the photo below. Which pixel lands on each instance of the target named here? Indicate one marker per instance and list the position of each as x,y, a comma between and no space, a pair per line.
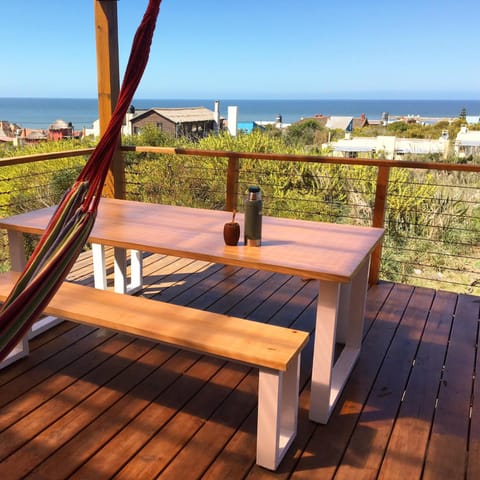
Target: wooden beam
232,184
379,220
108,81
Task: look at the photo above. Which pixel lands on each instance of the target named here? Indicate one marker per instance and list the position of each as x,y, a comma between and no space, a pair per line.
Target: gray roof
59,125
36,135
339,122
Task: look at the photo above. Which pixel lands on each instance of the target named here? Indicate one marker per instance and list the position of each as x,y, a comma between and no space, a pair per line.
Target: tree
307,132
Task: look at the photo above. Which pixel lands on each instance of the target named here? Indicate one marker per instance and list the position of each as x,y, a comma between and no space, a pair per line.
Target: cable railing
430,211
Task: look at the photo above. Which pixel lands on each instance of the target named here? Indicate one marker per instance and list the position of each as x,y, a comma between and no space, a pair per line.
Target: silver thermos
253,217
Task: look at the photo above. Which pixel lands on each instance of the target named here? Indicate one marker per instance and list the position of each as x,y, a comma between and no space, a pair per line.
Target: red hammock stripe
73,220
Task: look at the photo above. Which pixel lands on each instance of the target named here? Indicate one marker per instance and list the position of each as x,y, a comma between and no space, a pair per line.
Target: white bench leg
99,266
18,261
21,350
277,413
44,324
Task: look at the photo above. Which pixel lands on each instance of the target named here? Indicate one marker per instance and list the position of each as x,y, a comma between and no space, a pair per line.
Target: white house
467,142
388,146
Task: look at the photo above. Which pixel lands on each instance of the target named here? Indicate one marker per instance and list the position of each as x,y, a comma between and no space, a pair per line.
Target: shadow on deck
88,403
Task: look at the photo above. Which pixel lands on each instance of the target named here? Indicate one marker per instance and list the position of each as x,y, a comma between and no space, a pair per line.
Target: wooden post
231,202
379,219
106,31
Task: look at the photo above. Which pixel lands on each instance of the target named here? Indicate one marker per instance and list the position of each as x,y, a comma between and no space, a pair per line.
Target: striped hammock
73,220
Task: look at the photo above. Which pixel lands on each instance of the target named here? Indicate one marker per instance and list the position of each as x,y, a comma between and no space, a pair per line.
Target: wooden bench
274,350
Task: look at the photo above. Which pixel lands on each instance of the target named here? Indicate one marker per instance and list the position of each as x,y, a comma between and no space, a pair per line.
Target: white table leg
120,271
343,312
339,308
277,413
136,271
16,250
358,301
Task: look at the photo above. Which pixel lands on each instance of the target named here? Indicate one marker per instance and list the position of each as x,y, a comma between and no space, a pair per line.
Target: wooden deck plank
89,404
406,449
473,466
209,287
30,414
208,442
447,450
157,454
250,296
42,347
121,413
366,448
159,277
58,355
301,461
186,277
134,435
38,449
327,445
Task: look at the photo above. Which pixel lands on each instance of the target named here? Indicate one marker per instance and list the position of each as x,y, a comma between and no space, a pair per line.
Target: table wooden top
325,251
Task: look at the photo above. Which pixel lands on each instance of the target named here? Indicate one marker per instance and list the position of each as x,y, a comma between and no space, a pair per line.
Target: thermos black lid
254,189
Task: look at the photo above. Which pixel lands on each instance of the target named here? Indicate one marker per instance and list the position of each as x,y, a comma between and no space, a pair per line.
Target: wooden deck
91,404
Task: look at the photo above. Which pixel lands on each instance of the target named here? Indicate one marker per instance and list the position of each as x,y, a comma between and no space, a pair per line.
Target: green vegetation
432,218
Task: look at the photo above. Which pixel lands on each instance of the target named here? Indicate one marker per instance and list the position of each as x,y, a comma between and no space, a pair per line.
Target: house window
160,125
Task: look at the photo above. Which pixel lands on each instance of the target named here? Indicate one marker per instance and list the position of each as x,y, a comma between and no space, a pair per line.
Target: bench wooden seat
274,350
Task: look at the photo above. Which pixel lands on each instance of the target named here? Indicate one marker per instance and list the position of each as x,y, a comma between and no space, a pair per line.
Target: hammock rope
70,226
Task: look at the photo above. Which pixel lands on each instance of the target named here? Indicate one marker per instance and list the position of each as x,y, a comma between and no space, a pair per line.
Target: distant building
8,131
192,122
472,119
340,123
278,123
388,146
361,121
334,122
59,130
467,142
195,122
33,136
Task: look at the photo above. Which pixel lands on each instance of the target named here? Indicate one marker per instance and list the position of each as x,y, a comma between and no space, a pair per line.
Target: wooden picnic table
336,255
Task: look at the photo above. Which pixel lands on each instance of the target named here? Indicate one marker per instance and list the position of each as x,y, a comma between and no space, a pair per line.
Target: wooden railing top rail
39,157
306,158
459,167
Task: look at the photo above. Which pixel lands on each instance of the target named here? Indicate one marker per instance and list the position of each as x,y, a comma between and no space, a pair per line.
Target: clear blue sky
253,49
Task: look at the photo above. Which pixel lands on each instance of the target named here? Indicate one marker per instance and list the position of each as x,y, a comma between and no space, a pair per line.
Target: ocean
39,113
